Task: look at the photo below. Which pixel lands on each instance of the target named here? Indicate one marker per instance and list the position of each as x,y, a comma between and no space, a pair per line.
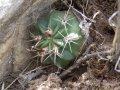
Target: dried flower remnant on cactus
61,36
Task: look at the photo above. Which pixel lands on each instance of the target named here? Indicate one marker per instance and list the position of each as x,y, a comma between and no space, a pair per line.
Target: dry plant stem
111,21
17,77
11,83
116,65
22,73
3,86
116,41
80,60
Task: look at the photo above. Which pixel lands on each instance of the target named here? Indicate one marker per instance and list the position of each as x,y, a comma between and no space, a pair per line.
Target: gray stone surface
16,18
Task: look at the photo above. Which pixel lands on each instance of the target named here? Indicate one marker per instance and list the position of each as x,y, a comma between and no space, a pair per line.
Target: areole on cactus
61,38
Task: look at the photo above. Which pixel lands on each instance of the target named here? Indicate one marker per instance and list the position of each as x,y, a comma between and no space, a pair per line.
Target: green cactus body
61,36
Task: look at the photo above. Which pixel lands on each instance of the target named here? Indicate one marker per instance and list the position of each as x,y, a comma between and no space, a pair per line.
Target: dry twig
80,60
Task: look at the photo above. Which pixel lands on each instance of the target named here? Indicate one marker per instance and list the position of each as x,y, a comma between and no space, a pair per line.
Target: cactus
61,38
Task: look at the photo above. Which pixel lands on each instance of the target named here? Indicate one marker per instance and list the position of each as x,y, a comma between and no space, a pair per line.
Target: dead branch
81,60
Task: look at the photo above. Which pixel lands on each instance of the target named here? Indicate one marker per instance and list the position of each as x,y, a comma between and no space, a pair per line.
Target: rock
16,18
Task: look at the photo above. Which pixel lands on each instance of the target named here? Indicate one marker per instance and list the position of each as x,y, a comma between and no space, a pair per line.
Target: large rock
16,18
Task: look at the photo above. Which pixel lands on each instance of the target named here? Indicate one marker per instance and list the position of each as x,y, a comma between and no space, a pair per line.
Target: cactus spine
61,38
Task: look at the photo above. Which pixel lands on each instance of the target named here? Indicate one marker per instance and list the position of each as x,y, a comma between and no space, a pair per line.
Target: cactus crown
61,38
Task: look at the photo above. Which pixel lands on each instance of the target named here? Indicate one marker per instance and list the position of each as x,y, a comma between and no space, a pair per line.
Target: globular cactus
60,38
